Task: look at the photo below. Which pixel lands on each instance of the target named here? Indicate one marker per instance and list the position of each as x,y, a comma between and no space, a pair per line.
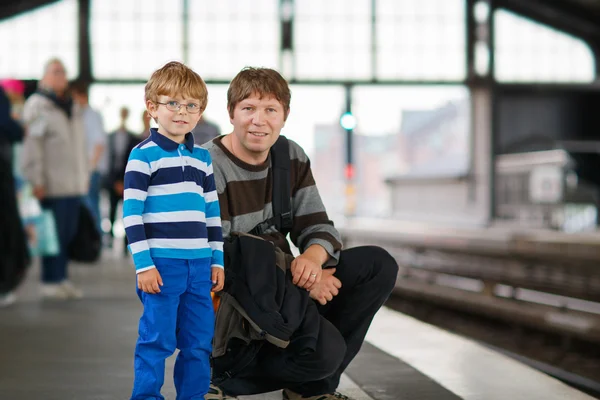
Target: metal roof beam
10,9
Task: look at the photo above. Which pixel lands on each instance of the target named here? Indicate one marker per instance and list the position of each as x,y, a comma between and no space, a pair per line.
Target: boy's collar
169,145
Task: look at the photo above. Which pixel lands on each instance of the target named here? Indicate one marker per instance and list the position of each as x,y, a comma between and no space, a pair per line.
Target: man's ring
313,274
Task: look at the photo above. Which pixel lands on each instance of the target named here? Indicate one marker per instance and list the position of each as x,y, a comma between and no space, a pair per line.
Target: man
120,144
96,145
349,285
205,131
55,162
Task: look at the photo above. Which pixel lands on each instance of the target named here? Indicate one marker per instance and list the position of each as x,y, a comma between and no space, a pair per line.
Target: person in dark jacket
120,144
14,253
349,286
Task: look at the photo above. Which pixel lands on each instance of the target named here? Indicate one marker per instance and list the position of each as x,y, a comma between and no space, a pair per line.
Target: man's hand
218,279
306,272
327,288
39,192
149,281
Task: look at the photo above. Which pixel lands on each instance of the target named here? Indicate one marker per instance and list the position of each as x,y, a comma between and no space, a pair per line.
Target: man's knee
386,267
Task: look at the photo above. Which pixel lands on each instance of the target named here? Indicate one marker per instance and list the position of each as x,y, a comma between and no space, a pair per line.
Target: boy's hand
149,281
218,279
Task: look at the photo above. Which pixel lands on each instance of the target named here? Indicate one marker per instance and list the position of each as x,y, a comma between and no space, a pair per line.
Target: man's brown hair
175,79
260,81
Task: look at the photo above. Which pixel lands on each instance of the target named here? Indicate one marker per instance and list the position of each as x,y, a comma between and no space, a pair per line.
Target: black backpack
86,246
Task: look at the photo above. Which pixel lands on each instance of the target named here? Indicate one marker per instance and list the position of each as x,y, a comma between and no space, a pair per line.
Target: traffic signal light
348,121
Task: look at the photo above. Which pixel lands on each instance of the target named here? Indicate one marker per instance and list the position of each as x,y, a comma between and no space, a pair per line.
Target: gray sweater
245,193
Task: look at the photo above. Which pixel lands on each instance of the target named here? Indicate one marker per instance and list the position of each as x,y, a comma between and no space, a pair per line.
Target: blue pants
92,200
180,316
66,214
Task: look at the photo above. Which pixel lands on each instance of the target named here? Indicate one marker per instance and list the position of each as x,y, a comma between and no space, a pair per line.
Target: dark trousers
368,275
92,200
112,214
66,215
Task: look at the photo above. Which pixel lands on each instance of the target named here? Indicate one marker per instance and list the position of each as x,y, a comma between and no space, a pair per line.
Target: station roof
12,8
580,18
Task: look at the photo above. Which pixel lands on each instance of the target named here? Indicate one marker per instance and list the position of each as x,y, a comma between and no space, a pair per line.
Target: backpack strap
282,191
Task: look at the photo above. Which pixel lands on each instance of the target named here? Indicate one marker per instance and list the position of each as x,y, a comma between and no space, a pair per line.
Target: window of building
527,51
227,35
332,39
131,39
421,40
30,39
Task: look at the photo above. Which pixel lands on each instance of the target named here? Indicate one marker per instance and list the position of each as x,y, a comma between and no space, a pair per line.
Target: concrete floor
80,349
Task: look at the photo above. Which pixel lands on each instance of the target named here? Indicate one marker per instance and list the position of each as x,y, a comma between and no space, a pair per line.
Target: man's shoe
289,395
53,291
215,393
71,291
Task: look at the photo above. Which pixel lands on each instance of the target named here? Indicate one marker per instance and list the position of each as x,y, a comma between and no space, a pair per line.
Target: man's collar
169,145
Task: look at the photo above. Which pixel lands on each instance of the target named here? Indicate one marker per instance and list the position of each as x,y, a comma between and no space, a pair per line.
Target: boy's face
173,123
257,123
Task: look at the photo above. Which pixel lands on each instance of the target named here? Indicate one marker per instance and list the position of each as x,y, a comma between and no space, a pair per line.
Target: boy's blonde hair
176,79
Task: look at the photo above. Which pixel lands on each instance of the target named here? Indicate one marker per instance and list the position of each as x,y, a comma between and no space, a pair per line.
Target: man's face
55,78
257,123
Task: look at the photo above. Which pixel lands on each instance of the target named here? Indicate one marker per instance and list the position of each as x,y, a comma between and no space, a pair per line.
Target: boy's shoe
289,395
71,291
215,393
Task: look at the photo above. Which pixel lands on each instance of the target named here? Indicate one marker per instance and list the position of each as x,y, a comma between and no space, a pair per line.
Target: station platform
83,349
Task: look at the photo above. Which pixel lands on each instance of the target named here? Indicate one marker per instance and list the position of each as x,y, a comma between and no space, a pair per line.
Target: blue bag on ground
47,243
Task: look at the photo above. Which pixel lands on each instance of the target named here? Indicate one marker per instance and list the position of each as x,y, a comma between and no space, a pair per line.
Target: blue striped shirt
170,206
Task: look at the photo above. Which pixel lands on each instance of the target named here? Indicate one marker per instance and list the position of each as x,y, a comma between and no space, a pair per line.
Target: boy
172,220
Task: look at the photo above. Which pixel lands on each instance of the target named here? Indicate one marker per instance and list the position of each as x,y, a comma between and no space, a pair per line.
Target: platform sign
546,185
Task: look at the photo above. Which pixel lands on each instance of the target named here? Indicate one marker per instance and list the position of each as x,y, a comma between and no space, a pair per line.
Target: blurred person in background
55,162
12,103
146,121
96,146
120,144
205,131
15,91
14,255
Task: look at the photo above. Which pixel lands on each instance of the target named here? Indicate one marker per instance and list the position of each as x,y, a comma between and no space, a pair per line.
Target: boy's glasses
173,105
